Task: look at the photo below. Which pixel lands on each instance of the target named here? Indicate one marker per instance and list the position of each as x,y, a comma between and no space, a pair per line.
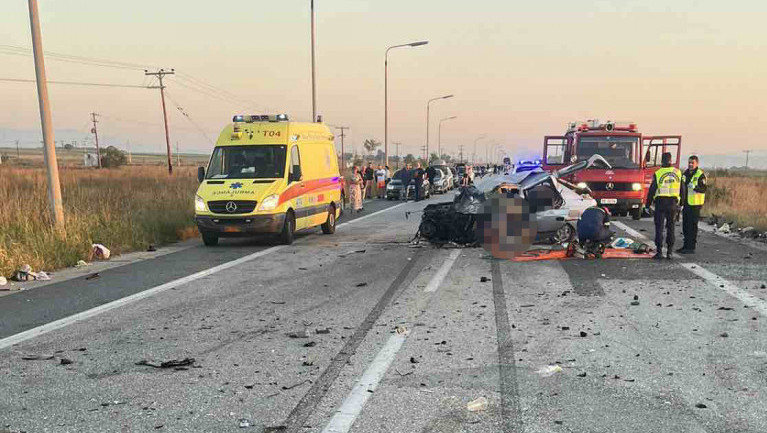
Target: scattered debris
564,328
484,279
308,362
286,387
151,248
400,330
66,361
549,370
348,253
701,406
173,363
584,334
725,308
81,264
300,334
361,284
322,330
36,357
3,281
310,344
413,360
724,335
245,423
582,374
23,274
100,252
93,276
278,302
477,405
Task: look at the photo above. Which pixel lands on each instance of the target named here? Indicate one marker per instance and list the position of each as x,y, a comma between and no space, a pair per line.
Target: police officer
666,192
695,181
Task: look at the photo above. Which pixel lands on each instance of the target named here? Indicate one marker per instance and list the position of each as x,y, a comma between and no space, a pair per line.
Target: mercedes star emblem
231,207
610,186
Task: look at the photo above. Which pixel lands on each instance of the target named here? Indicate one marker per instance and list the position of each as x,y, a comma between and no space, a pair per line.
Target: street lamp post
386,94
439,134
427,121
314,72
474,154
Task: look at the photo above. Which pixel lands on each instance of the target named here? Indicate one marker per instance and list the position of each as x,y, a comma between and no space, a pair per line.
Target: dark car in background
395,189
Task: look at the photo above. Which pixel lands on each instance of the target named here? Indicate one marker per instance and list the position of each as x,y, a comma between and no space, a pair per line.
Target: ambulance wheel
288,229
329,227
636,214
209,239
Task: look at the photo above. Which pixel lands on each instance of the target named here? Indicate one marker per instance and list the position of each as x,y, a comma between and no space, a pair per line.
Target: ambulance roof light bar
240,118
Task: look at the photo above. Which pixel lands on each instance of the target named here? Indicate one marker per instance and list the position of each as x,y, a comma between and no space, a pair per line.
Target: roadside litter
477,405
3,281
25,273
549,370
100,252
178,364
81,264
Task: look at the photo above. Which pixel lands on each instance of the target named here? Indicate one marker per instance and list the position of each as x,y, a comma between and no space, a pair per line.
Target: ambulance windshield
617,150
247,162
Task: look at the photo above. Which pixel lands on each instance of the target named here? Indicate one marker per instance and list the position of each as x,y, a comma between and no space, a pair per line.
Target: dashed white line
733,290
629,230
369,216
351,408
442,272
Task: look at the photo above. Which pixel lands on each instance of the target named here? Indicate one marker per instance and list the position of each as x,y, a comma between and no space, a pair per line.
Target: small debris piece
582,374
300,334
484,279
477,405
310,344
245,423
158,425
584,334
36,357
527,306
400,330
66,361
322,330
724,335
151,248
565,328
81,264
413,360
725,308
3,281
278,302
701,406
308,362
549,370
636,297
351,252
173,363
93,276
634,302
286,387
361,284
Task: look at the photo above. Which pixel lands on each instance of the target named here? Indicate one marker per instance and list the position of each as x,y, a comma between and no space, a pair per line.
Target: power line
75,83
186,116
24,51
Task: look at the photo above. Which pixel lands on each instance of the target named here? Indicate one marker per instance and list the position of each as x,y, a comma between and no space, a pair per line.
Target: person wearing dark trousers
419,174
695,195
665,192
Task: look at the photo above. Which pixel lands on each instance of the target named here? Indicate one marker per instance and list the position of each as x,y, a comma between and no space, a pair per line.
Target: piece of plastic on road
477,405
549,370
622,243
100,252
3,281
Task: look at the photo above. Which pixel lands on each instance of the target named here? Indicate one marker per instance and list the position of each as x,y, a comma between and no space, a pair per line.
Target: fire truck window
652,157
673,149
555,154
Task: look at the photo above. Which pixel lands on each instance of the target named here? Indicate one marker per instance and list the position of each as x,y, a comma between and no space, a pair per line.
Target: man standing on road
695,195
419,174
368,176
380,175
665,191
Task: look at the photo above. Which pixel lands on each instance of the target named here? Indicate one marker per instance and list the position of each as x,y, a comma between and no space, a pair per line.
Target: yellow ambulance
269,175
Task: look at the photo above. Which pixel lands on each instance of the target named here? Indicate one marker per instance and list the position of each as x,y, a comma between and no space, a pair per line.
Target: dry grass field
738,196
125,209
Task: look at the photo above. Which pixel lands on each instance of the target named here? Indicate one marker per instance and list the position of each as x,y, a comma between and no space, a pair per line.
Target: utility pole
54,186
314,72
96,135
342,128
396,155
18,154
160,74
460,150
178,156
747,152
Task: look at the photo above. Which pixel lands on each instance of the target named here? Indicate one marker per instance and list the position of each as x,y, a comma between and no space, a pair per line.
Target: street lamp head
418,44
447,97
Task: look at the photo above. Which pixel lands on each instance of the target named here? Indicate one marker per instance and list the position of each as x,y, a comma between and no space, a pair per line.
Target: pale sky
519,70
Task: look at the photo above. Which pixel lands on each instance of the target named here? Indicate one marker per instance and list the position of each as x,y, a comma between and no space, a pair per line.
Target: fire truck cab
634,159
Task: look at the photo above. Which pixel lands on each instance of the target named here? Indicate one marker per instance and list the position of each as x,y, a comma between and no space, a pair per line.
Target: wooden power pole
160,74
342,128
95,132
54,185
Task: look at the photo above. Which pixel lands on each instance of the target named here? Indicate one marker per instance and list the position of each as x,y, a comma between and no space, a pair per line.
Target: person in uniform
665,191
695,195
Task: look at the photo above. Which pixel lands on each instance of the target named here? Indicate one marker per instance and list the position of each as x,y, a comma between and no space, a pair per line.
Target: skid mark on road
307,405
510,413
351,408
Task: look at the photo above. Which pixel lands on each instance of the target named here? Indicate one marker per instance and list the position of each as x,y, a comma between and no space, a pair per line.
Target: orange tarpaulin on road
613,253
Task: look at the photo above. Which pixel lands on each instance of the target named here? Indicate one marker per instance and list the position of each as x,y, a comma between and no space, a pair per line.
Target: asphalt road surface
362,332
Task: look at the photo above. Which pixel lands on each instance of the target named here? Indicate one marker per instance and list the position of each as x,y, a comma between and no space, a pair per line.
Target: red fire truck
634,159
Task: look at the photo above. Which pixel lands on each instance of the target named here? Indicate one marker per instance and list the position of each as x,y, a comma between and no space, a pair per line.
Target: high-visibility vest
669,182
695,198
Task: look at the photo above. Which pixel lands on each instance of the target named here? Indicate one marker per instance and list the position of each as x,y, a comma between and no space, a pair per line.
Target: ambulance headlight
269,203
582,185
199,204
636,186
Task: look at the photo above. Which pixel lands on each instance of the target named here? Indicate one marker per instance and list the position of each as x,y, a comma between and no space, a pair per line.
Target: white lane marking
629,230
733,290
57,324
442,272
352,406
371,215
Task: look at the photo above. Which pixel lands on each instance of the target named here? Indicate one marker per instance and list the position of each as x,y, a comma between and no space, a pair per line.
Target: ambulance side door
295,176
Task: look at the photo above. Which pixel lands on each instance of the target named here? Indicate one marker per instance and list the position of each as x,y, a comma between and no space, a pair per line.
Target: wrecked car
541,206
